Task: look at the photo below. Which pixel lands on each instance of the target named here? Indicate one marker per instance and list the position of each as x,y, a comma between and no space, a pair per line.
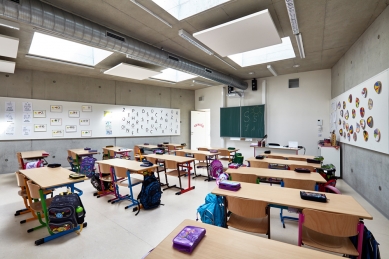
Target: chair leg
282,218
268,221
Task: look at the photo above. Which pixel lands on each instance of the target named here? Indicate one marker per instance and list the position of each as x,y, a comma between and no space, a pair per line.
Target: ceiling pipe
72,27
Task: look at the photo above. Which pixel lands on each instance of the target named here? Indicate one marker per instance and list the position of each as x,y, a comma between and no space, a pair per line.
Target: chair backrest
202,149
259,164
310,168
136,150
105,169
72,154
275,157
109,146
308,185
328,223
180,153
170,147
34,190
223,152
19,157
20,179
152,160
247,178
297,158
246,208
120,172
111,153
200,157
170,164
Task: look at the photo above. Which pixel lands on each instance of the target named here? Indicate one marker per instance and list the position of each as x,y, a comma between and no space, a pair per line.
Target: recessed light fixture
296,65
251,73
271,69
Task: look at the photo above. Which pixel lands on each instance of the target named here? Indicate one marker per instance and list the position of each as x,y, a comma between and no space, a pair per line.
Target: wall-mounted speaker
230,89
254,84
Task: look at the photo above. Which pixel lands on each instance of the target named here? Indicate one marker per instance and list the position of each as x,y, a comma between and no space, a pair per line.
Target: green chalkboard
244,122
230,122
252,121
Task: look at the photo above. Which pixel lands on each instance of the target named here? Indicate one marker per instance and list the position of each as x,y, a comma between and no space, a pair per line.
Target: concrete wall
365,170
53,86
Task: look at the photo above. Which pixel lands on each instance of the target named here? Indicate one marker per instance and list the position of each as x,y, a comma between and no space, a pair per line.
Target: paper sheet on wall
10,117
27,117
10,131
26,130
9,106
27,106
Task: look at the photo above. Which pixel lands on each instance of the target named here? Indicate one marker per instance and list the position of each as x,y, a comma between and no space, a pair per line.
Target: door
200,129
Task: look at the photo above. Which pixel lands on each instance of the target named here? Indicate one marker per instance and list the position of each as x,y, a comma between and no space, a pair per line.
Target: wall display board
244,121
42,119
359,116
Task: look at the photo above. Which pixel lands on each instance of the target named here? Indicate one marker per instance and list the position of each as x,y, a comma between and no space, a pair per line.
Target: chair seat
255,225
134,181
175,173
22,193
201,164
106,178
37,206
342,245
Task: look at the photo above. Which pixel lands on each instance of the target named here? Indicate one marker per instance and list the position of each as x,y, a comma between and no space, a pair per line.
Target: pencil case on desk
229,185
302,170
188,238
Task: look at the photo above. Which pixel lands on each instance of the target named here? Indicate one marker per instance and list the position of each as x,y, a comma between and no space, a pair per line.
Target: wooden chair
36,204
249,215
224,154
23,192
259,164
246,178
172,169
105,176
171,149
160,168
137,153
310,168
180,153
330,231
308,185
120,178
20,160
275,157
72,159
297,159
202,163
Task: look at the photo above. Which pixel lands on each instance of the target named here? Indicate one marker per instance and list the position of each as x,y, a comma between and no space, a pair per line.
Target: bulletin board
43,119
359,116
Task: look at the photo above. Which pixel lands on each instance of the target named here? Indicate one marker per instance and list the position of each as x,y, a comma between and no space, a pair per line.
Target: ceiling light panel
173,75
7,66
292,16
244,34
181,9
265,55
8,46
131,71
57,48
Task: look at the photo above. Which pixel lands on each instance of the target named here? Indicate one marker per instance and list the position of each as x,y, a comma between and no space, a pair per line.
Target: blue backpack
212,212
150,194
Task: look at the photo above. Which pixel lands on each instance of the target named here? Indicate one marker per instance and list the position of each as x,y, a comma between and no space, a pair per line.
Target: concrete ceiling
329,28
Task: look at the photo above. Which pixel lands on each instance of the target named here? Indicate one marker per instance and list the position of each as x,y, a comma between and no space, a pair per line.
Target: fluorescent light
272,70
57,61
153,14
185,35
225,62
200,83
181,9
173,75
292,16
161,80
265,55
59,49
9,24
300,45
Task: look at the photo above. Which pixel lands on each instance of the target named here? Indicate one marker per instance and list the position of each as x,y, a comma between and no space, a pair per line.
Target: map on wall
359,116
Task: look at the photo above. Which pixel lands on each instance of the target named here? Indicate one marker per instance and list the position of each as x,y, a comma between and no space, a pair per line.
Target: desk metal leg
131,197
189,187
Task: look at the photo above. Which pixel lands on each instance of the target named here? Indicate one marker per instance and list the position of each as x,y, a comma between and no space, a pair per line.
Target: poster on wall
86,108
40,127
86,133
362,114
84,122
74,114
55,122
70,128
108,128
27,106
10,106
26,130
55,108
27,117
10,117
40,114
10,130
57,133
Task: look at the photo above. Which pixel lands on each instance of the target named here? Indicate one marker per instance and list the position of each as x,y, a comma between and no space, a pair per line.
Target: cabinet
331,156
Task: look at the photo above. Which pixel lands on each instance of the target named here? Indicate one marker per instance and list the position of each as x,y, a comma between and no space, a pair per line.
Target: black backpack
63,213
150,194
370,248
95,181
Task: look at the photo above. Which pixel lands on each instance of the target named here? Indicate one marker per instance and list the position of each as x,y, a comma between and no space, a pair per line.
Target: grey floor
115,232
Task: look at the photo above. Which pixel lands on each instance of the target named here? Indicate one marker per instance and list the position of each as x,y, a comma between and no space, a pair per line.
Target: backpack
95,181
370,248
65,212
150,194
87,166
212,212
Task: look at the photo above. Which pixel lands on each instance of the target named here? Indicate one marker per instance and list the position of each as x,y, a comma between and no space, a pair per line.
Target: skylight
182,9
265,55
57,48
173,75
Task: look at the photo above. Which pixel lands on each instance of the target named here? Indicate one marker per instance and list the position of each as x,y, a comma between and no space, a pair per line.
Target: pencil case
45,154
87,148
259,157
188,238
213,151
313,161
231,148
92,150
159,145
233,165
229,185
146,144
76,176
302,170
165,143
267,152
311,196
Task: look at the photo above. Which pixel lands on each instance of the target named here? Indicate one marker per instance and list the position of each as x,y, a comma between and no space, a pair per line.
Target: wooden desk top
47,177
343,204
149,146
220,148
118,149
178,159
284,162
230,244
289,174
289,155
127,164
278,147
32,154
82,152
175,145
207,153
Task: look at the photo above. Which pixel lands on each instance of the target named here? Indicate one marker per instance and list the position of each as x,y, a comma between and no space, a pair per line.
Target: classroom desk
208,156
180,160
278,149
115,150
38,154
50,178
288,174
284,162
342,204
226,243
130,166
286,156
79,153
151,147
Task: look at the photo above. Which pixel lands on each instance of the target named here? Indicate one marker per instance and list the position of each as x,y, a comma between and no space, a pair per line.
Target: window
265,55
60,49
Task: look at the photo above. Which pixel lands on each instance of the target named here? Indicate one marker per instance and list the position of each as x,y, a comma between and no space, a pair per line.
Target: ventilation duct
72,27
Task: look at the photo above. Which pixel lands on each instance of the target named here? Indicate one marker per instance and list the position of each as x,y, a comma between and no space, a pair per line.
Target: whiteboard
43,119
366,111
